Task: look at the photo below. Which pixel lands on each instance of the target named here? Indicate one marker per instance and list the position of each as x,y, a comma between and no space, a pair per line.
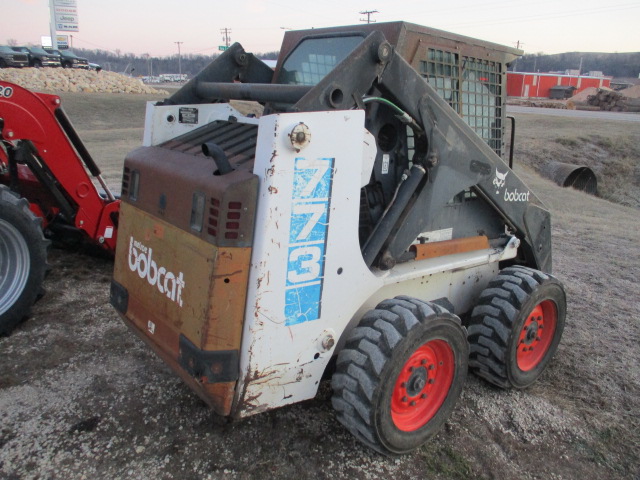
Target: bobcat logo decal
499,181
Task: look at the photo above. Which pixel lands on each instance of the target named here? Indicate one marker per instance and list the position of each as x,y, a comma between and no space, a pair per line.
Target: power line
368,13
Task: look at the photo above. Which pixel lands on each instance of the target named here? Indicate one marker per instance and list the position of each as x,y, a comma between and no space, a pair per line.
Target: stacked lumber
612,101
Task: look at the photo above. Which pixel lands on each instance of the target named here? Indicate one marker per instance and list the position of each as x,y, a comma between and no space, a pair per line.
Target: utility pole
368,13
515,62
179,59
226,36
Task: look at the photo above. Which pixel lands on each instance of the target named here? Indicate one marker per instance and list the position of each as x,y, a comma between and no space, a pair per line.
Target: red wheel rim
422,385
536,335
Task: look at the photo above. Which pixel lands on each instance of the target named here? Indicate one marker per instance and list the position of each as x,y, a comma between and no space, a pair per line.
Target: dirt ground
81,397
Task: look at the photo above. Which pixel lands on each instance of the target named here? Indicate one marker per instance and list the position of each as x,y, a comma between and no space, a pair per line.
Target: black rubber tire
3,64
23,259
369,365
499,318
37,63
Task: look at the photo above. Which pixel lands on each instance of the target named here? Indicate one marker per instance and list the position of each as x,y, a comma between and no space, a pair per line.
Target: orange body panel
449,247
171,274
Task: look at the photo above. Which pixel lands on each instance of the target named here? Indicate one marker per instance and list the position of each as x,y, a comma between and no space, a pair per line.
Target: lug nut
405,399
413,403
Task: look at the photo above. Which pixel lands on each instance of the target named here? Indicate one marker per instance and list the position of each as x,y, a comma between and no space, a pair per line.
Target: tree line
619,65
146,65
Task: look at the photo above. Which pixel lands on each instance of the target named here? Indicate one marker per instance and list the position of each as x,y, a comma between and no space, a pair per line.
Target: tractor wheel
516,327
400,374
23,259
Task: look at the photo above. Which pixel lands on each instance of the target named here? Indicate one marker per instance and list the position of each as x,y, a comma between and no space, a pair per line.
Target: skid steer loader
359,218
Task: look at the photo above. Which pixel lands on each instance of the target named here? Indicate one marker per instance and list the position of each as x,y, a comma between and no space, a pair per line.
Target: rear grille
238,140
214,213
225,225
125,182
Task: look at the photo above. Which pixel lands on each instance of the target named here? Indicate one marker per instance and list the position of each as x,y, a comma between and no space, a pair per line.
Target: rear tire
400,374
37,63
23,259
516,327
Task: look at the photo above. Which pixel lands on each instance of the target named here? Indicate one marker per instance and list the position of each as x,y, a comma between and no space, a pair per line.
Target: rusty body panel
182,263
207,309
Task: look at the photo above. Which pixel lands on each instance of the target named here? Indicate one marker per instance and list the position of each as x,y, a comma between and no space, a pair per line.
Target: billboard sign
66,15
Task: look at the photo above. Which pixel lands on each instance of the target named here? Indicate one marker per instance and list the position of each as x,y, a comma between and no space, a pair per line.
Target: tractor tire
400,374
516,327
23,259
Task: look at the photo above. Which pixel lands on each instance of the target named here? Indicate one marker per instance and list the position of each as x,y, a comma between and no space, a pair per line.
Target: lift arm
47,159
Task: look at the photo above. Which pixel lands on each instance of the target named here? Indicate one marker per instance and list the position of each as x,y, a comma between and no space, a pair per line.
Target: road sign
222,48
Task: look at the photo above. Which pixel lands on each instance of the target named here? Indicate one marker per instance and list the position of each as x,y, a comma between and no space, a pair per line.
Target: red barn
538,85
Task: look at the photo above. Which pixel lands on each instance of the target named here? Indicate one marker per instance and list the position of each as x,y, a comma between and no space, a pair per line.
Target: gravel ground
81,397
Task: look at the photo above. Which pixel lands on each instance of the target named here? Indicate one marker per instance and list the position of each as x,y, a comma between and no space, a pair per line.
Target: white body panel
165,122
308,282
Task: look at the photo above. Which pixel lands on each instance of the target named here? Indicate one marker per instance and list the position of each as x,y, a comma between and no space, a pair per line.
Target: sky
154,26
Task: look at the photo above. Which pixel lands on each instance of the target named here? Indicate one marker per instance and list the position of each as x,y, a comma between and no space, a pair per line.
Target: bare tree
12,42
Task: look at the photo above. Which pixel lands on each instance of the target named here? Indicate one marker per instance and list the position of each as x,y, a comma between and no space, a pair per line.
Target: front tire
23,259
516,327
400,374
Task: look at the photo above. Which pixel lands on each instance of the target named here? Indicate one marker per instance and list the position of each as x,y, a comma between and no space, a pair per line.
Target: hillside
611,64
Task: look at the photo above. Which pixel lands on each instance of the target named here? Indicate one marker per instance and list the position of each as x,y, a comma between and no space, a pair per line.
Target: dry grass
611,149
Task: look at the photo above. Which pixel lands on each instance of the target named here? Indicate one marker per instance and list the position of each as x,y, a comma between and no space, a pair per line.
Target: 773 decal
312,182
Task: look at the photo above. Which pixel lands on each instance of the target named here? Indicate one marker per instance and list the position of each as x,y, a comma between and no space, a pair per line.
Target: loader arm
456,159
48,164
459,159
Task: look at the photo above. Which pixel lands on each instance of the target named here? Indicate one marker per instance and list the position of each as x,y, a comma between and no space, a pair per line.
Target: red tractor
48,184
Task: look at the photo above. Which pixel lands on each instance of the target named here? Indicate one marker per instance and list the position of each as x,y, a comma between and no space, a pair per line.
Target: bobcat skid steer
359,218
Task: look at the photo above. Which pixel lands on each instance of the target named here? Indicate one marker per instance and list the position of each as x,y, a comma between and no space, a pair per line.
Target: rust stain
158,230
273,190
